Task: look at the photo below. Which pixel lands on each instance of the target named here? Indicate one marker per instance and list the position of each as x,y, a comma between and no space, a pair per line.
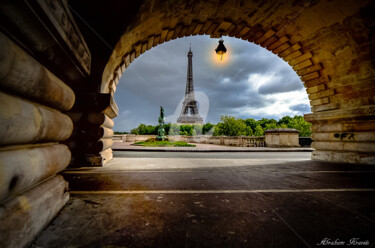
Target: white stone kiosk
282,137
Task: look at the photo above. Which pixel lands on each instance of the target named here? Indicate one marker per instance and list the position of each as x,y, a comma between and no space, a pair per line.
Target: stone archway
52,59
332,56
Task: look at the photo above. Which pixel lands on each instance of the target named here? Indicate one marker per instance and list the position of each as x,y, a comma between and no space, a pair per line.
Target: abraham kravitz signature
350,242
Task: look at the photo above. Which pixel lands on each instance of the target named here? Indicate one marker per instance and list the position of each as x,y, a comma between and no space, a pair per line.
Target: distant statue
161,117
161,130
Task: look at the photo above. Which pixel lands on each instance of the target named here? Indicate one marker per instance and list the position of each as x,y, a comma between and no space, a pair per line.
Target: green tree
167,127
249,131
283,125
193,133
198,129
152,129
134,131
286,120
208,128
175,128
258,131
230,126
251,123
116,132
188,129
264,121
183,133
141,129
299,123
271,125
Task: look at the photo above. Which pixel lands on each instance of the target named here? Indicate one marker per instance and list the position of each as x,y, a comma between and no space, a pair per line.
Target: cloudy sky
250,82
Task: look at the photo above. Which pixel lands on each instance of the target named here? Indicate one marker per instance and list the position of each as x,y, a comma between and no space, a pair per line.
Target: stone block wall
44,69
33,102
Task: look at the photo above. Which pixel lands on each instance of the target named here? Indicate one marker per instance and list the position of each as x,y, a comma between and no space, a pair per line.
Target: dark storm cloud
302,108
158,77
258,117
283,80
280,84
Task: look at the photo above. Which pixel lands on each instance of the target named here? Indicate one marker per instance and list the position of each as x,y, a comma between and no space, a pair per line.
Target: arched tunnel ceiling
102,23
105,25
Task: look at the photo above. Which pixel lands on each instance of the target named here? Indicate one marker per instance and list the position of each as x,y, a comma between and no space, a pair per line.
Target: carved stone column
91,140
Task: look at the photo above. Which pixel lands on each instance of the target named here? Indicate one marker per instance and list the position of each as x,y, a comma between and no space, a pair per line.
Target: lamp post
221,49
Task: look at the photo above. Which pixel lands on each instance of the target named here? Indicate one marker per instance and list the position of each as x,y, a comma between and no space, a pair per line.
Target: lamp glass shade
220,55
221,49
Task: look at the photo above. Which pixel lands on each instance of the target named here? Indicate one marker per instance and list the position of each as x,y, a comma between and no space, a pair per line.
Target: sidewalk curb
207,150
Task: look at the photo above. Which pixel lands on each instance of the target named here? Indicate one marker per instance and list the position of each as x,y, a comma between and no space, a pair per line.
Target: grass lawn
163,144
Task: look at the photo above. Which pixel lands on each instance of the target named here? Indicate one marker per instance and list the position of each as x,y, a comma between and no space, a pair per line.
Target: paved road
215,200
287,156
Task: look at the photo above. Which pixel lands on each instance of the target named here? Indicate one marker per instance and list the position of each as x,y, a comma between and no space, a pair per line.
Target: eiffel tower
189,102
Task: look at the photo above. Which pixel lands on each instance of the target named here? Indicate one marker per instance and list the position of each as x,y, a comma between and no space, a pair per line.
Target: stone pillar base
344,157
344,135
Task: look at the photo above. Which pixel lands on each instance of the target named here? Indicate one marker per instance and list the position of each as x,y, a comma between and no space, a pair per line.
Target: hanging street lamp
221,49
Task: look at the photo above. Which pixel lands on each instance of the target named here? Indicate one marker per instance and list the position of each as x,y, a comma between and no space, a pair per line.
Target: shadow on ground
289,204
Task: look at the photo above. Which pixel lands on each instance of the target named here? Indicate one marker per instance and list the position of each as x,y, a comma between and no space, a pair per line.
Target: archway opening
251,83
329,44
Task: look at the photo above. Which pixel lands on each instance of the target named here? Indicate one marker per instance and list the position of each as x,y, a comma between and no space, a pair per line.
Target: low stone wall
282,137
117,138
133,137
240,141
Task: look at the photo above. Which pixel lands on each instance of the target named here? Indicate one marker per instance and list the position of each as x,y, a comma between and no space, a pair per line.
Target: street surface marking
109,192
130,171
191,171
